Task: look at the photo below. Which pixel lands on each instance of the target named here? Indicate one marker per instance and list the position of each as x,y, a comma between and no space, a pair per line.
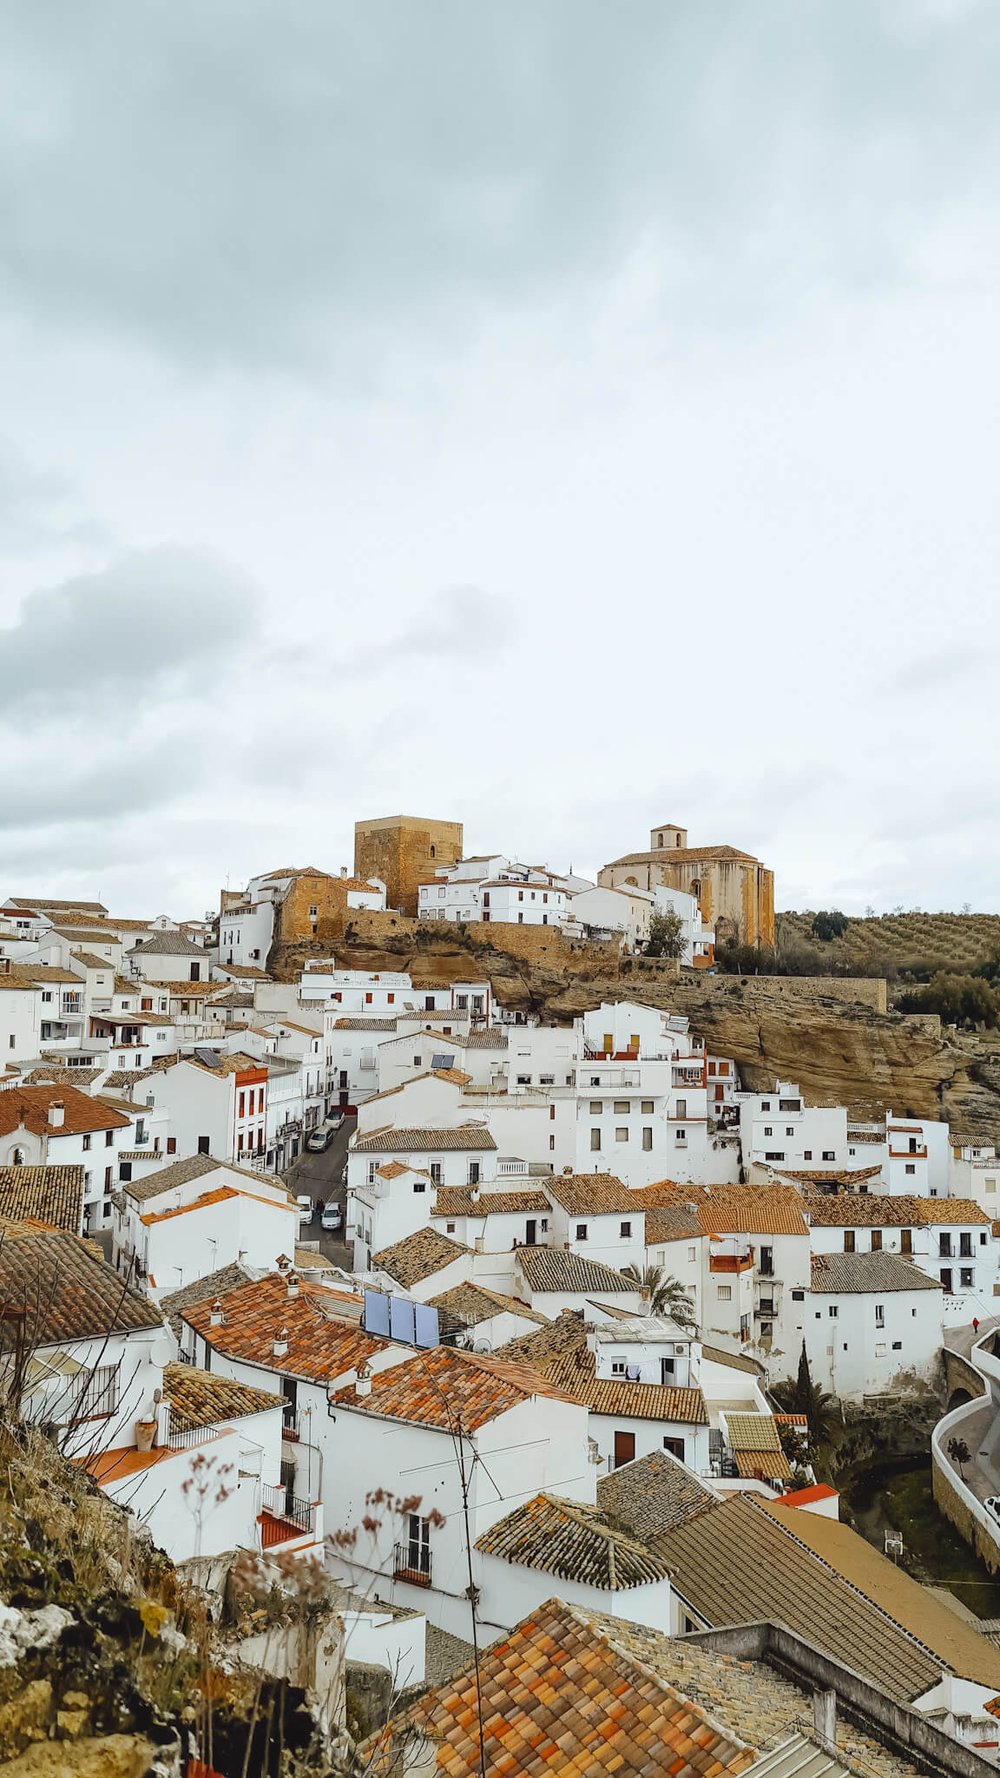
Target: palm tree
803,1396
666,1295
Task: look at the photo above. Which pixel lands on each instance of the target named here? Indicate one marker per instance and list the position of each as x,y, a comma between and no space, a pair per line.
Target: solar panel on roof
376,1312
426,1325
442,1061
401,1320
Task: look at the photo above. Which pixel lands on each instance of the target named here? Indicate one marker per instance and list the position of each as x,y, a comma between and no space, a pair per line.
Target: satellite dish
162,1352
482,1346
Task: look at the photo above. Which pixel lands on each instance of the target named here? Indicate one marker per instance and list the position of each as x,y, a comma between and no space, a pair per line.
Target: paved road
962,1339
320,1176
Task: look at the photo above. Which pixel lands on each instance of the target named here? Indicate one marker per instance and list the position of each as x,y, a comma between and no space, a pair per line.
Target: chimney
57,1114
4,965
825,1719
343,870
363,1382
216,1318
161,1409
292,1285
281,1343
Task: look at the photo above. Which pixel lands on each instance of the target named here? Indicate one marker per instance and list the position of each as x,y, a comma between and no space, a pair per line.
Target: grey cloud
254,182
163,619
941,670
93,787
36,507
460,623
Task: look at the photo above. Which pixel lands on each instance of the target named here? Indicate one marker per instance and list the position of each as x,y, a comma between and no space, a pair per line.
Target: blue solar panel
443,1061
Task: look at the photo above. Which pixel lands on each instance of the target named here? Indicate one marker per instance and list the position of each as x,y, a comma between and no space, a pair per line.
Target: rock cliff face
838,1051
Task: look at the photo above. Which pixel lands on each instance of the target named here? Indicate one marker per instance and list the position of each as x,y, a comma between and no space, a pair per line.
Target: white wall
850,1355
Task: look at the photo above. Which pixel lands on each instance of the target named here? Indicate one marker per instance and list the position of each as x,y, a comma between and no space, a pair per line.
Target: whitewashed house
186,1220
217,1104
169,957
950,1239
428,1420
594,1214
874,1325
47,1126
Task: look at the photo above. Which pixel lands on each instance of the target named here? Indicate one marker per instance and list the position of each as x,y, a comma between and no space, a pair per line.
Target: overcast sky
559,415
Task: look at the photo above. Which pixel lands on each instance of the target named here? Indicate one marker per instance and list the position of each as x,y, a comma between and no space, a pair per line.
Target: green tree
958,999
666,935
667,1295
960,1454
829,925
803,1396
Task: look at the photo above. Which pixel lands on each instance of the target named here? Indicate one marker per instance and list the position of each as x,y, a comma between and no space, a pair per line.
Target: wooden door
624,1448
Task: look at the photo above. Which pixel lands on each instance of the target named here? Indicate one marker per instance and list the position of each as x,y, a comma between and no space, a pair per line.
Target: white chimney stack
216,1318
281,1343
363,1384
57,1114
292,1285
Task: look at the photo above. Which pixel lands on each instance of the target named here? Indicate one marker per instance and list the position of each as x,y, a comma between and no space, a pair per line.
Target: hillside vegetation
913,944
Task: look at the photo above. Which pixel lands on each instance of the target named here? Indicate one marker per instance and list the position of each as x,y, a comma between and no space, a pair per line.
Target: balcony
908,1154
284,1518
730,1262
411,1562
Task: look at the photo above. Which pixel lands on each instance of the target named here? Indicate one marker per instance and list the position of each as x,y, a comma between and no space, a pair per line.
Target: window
647,1137
909,1168
622,1108
829,1154
474,1169
435,1172
420,1185
876,1240
965,1246
675,1446
581,1231
625,1230
596,1107
848,1240
595,1141
897,1345
789,1130
991,1183
965,1277
88,1140
879,1314
171,1144
646,1107
552,1145
774,1154
798,1296
724,1292
314,912
204,1145
680,1136
449,1228
832,1311
621,1133
982,1239
807,1154
765,1105
241,1110
46,995
768,1130
108,1178
99,1396
618,1367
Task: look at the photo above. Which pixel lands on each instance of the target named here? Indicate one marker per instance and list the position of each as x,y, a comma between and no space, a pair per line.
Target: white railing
950,1426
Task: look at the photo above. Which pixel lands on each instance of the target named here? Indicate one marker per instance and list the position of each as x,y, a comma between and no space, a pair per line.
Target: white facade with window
778,1129
873,1342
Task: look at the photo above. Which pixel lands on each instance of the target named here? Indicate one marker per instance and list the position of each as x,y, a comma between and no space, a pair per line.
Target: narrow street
319,1175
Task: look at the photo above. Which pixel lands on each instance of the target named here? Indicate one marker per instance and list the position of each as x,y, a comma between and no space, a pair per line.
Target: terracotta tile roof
559,1695
752,1432
552,1268
678,1224
68,1293
457,1200
652,1494
126,1106
490,1039
243,971
418,1256
167,944
573,1542
789,1419
203,1290
80,1112
50,905
442,1386
767,1465
219,1196
201,1398
729,1209
561,1352
88,959
319,1345
118,1019
455,1076
837,1548
850,1211
734,1360
734,1563
360,1024
850,1178
861,1272
61,1077
191,1166
593,1194
47,1194
685,855
390,1140
473,1304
